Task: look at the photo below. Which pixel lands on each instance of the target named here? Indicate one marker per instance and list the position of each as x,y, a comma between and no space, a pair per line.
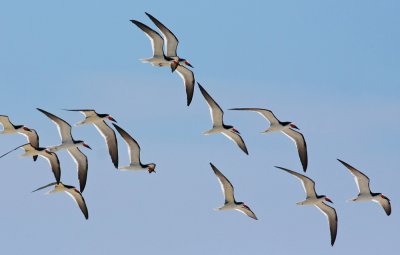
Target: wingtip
188,101
341,161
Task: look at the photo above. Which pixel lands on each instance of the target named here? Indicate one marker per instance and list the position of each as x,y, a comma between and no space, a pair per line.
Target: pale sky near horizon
331,67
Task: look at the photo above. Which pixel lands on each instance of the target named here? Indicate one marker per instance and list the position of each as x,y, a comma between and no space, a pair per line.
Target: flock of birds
180,65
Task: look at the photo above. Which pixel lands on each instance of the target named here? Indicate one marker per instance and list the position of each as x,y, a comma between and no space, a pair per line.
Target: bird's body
286,128
170,58
218,123
72,146
134,153
365,194
317,200
72,192
9,128
230,202
133,166
65,146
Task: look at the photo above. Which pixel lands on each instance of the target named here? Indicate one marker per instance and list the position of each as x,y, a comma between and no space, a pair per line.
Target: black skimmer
230,202
29,133
72,192
134,153
9,128
317,201
33,139
365,193
98,120
218,123
171,44
51,157
68,143
170,59
285,127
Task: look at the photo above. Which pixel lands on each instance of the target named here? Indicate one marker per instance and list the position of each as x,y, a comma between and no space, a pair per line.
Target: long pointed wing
52,158
86,112
155,38
78,198
32,137
248,212
226,186
330,213
267,114
110,139
5,121
385,203
188,80
64,129
236,138
215,110
45,186
133,146
21,146
301,145
169,37
361,179
308,184
82,165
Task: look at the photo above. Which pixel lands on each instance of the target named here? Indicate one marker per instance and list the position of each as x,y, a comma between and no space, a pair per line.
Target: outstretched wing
64,129
361,179
301,145
88,113
133,146
110,139
267,114
246,210
215,110
236,138
226,185
308,184
188,80
78,198
82,165
169,37
155,38
330,213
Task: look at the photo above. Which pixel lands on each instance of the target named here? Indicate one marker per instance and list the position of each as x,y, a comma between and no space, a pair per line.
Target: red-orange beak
112,119
328,199
87,146
384,197
26,129
235,130
188,64
294,126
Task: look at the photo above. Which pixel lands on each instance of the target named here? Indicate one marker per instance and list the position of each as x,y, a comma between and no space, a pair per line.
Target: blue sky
331,67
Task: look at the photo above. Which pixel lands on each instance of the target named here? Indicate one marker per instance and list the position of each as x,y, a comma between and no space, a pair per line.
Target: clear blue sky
331,67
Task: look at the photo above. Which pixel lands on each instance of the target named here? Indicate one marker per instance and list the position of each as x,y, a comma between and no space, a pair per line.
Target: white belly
161,62
63,146
132,167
